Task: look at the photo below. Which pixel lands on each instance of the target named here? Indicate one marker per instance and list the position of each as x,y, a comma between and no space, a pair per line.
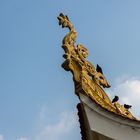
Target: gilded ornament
87,79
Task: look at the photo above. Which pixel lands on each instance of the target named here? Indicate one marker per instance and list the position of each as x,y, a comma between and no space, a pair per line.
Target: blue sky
37,100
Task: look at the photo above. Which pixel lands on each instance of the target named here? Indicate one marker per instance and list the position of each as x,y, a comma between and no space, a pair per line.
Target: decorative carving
87,79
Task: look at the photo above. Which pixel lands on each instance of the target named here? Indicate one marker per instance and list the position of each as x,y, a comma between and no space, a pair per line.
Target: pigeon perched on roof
99,69
116,98
127,106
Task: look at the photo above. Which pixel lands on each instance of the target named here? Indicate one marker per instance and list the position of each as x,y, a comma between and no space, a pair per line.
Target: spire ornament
88,80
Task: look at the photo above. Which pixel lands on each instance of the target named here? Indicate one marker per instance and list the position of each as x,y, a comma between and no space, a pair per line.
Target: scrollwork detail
87,79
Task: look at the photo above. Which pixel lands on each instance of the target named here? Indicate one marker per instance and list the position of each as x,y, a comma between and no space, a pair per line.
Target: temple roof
98,123
88,80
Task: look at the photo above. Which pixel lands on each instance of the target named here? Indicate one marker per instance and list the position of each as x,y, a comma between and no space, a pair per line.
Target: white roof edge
134,124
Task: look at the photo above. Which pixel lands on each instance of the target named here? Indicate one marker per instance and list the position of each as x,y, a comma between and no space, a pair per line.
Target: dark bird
127,106
99,69
116,98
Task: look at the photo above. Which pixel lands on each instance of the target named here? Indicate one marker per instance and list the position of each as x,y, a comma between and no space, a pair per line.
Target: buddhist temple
100,117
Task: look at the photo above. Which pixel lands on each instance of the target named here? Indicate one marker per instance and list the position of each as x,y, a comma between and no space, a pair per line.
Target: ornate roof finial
87,79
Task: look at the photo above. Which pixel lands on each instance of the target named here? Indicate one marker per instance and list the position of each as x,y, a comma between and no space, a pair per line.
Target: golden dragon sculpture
87,79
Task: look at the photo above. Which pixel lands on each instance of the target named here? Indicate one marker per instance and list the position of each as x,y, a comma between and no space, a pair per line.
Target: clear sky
37,100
